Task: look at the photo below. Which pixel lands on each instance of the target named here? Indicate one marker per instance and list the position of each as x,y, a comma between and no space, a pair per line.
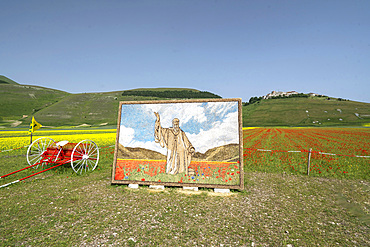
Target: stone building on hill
275,94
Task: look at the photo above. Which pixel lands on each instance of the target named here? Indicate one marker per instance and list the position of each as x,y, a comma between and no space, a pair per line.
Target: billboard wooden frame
238,164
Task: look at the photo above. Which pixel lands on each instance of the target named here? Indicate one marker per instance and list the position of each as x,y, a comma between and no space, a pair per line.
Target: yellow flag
34,126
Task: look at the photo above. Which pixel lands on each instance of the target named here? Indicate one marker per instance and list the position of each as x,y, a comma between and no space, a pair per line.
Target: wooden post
308,163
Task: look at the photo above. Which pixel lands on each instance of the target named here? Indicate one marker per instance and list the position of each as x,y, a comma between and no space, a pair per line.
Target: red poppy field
336,152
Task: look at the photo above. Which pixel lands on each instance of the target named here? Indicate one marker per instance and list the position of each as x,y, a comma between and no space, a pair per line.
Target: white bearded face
176,124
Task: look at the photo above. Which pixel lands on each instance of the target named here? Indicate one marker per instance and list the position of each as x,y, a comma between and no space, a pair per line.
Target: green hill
18,103
312,111
21,101
57,108
102,108
6,80
171,93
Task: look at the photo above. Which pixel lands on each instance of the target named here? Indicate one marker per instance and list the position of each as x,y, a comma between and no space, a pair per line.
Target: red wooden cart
83,156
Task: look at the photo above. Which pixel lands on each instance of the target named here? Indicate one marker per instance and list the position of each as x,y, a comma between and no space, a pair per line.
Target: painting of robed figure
179,148
194,143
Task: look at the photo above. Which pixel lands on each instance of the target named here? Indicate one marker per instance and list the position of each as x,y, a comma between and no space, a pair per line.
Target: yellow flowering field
17,139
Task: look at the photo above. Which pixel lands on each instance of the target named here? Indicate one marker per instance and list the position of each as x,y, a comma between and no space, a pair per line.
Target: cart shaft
20,170
29,176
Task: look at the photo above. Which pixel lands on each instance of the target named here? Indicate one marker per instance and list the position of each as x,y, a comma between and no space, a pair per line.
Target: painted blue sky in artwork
207,124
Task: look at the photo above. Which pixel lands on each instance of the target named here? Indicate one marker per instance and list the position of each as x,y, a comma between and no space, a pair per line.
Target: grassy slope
6,80
18,100
292,112
98,108
89,108
57,108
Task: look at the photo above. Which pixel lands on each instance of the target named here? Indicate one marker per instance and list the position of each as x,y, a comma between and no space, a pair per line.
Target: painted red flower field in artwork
208,172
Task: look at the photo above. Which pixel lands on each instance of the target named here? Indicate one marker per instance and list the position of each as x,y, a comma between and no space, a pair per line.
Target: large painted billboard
190,143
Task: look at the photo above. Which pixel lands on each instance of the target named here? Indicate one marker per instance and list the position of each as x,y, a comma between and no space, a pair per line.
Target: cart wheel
85,156
37,148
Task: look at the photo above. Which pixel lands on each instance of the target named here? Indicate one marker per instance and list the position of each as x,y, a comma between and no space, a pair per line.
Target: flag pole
30,130
33,127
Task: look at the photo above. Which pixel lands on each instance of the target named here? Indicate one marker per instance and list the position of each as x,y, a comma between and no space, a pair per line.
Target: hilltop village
286,94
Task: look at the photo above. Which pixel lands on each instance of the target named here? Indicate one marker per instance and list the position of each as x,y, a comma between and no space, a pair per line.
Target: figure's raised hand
157,115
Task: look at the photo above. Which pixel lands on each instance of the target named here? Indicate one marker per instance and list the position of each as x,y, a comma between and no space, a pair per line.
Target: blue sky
207,125
237,49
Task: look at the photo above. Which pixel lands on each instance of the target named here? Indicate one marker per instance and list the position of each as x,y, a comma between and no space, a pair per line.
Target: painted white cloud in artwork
207,124
222,133
126,135
184,112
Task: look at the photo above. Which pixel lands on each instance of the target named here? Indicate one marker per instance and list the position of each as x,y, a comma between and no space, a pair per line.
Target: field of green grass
61,208
313,111
19,101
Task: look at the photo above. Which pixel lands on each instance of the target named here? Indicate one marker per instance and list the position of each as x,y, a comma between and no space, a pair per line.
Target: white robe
178,148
